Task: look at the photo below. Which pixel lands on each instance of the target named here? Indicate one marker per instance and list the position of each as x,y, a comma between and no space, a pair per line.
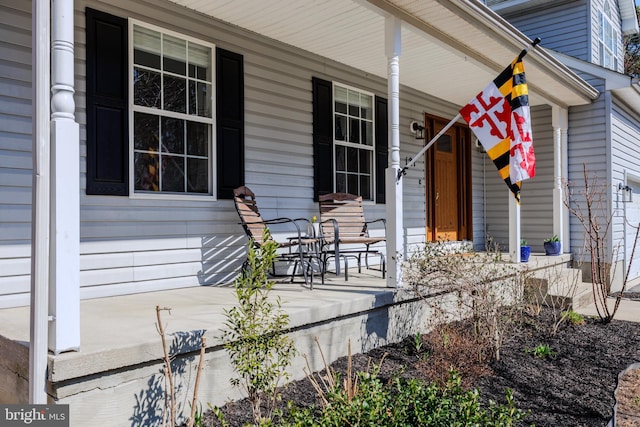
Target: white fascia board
629,17
613,80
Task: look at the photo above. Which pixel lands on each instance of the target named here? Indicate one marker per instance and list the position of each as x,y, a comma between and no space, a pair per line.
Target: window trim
370,148
132,109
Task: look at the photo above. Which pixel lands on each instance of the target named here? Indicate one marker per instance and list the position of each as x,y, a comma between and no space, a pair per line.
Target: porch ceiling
450,48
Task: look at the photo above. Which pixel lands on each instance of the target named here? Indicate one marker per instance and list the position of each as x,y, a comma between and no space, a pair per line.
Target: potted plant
552,245
525,251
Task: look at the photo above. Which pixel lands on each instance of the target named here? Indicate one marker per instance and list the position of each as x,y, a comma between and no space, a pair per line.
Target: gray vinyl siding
562,26
625,159
15,145
536,203
588,145
139,245
478,205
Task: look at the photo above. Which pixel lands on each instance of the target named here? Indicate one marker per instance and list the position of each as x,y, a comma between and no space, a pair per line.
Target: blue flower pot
525,251
552,248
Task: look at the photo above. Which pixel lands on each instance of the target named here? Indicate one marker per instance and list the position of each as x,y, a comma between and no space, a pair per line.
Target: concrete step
558,286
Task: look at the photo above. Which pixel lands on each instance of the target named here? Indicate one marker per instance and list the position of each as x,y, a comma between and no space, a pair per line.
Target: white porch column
64,291
39,307
559,121
395,228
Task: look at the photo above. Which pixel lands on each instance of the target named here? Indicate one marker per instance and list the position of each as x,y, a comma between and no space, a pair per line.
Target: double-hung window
607,39
354,141
172,114
162,120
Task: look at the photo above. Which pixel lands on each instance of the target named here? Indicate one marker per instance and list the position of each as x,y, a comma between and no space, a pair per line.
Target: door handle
437,195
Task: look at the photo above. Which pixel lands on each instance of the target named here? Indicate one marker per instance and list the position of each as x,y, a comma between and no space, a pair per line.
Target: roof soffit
450,48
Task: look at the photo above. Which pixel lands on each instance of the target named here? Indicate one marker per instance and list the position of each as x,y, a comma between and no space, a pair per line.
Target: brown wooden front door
448,188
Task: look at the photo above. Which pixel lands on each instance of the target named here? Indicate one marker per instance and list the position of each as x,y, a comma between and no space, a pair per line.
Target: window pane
444,144
341,128
352,159
199,61
173,174
174,52
341,164
172,135
145,132
352,184
146,88
367,133
175,94
197,139
354,103
365,161
365,187
146,170
146,44
354,130
199,99
148,59
601,29
198,175
341,183
366,107
340,99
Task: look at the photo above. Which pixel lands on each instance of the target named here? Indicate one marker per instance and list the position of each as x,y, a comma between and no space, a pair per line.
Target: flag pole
403,171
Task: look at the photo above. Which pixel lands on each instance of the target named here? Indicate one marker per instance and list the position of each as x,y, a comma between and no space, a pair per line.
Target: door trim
464,183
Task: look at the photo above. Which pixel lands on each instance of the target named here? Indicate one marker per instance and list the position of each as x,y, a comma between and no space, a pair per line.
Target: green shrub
260,352
573,318
406,403
542,351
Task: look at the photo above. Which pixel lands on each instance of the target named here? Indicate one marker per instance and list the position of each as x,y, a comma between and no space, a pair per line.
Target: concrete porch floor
116,377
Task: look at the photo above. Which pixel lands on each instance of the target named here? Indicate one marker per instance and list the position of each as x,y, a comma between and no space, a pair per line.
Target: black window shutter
322,137
382,147
230,122
107,104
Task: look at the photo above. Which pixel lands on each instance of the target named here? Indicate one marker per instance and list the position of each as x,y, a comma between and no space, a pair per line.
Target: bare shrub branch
591,208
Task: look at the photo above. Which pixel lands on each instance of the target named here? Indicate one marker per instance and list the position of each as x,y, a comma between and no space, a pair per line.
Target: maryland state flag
499,117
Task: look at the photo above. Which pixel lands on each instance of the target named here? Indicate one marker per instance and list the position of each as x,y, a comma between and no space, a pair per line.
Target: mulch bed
575,387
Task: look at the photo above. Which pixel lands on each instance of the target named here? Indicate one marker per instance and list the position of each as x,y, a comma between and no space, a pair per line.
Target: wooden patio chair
302,248
344,233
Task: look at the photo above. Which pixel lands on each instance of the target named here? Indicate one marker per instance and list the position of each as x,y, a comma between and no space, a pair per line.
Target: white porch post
39,308
395,228
64,291
560,212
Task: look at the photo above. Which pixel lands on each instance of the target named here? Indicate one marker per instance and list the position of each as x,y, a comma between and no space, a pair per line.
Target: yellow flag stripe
499,149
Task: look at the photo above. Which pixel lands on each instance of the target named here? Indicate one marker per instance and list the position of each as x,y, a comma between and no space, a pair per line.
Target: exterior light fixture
417,129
